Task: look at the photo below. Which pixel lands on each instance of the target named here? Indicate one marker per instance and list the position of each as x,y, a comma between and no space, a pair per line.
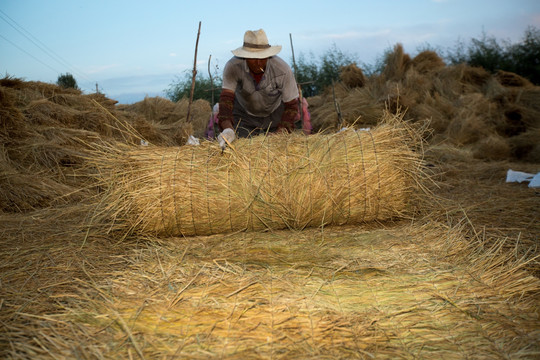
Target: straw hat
256,46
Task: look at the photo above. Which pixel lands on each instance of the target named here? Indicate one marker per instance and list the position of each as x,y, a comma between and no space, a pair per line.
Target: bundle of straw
266,182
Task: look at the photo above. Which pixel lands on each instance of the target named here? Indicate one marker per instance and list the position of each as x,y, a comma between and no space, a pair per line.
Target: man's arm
225,116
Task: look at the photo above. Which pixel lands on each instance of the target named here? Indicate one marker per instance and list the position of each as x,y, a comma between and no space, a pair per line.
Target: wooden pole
336,105
214,125
293,60
194,75
211,80
300,105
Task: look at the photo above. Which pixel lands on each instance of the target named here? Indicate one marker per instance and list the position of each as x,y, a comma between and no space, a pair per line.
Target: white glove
227,136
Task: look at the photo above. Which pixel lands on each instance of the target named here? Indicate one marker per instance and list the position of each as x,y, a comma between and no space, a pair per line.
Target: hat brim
258,54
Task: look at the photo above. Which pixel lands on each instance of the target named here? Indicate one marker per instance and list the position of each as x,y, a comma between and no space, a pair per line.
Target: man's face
257,66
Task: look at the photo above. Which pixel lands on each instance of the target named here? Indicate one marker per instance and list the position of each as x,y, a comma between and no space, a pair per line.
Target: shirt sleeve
290,88
230,77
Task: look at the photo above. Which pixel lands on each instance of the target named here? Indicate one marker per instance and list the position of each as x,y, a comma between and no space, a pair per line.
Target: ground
455,283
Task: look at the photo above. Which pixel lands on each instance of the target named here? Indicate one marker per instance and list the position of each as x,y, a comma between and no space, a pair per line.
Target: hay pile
168,117
496,116
267,182
46,132
341,293
458,278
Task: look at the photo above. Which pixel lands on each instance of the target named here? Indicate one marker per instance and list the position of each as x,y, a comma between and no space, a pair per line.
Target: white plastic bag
535,181
518,176
192,140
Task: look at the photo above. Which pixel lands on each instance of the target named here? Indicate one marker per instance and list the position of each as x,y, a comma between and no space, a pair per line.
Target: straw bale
315,101
13,125
96,121
45,112
491,147
513,121
476,76
102,100
503,96
325,118
530,98
159,110
267,182
22,191
359,107
466,131
526,146
506,78
323,115
74,101
155,109
33,90
408,92
415,81
338,90
150,132
471,122
446,86
438,109
200,112
427,61
397,63
454,81
10,82
352,76
444,153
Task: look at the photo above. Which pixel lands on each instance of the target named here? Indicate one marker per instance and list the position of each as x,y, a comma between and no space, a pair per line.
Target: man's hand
289,116
227,136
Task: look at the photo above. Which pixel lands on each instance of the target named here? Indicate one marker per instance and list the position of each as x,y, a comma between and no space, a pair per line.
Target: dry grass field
413,247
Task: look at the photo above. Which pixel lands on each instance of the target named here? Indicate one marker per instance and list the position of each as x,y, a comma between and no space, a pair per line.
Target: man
259,91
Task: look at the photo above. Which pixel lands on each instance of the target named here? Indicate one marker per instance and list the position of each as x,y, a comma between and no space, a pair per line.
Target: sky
132,49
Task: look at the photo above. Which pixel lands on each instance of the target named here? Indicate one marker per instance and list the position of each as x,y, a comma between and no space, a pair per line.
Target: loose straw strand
310,171
190,187
377,168
348,177
365,174
178,227
161,194
207,191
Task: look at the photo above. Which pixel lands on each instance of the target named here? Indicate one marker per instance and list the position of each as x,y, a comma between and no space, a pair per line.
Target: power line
21,30
27,53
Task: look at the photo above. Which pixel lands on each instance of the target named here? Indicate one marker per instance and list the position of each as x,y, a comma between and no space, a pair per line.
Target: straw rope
266,182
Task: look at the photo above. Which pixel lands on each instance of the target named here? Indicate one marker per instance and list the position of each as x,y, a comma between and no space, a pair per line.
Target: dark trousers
247,126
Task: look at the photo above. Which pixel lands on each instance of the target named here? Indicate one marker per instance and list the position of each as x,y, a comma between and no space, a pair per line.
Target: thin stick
300,107
241,289
128,333
211,82
194,74
336,105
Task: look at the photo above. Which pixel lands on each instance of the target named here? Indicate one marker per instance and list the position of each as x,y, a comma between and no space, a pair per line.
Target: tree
321,74
331,63
526,55
306,75
522,58
181,87
67,81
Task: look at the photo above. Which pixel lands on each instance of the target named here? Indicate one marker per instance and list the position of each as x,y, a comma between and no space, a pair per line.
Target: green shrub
67,81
